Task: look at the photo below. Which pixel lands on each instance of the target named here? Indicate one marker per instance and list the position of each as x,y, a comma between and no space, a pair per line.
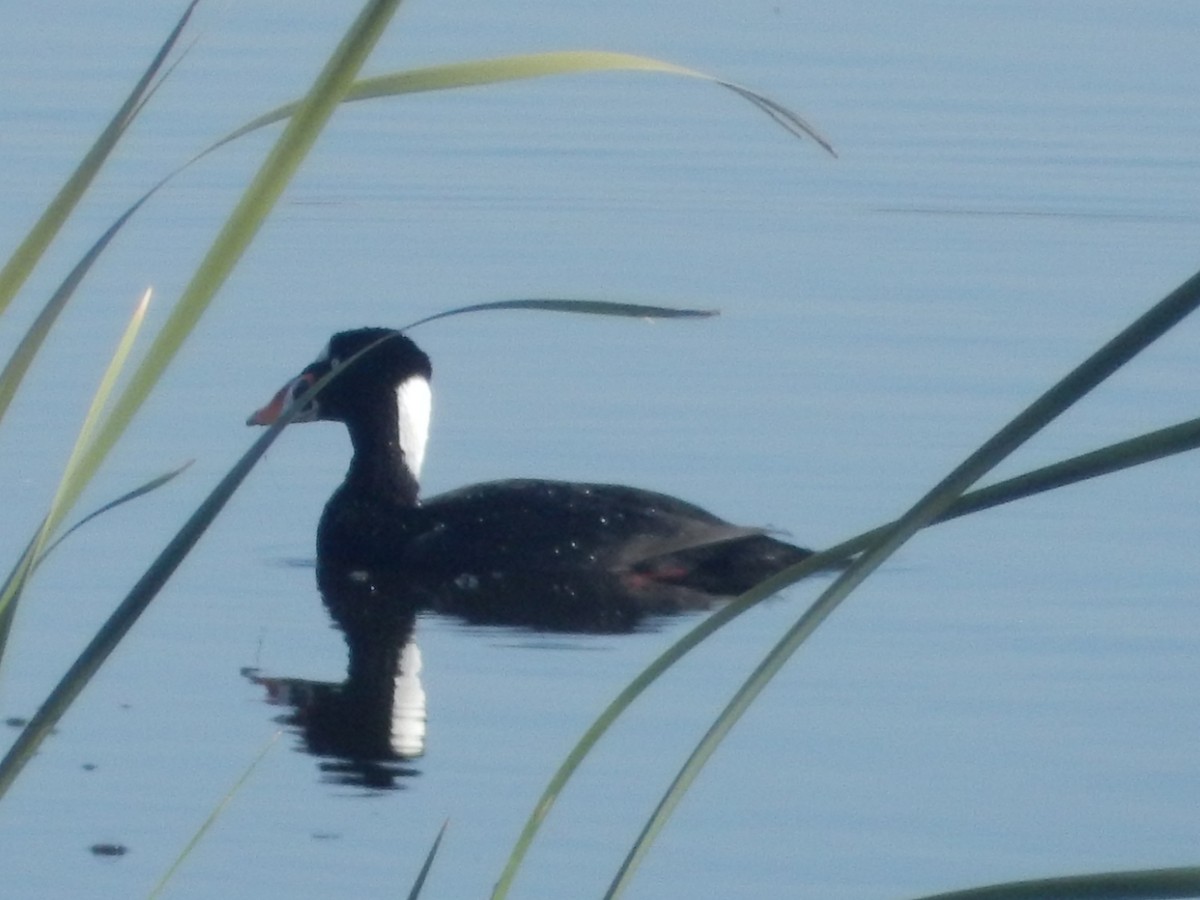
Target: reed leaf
147,587
704,629
1078,383
419,884
212,818
69,485
28,555
27,563
136,601
467,74
1125,454
587,307
230,243
1103,461
1142,884
476,73
1135,451
242,225
22,357
27,254
140,491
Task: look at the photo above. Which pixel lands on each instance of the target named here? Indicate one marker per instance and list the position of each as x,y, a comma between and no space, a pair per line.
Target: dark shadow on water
369,730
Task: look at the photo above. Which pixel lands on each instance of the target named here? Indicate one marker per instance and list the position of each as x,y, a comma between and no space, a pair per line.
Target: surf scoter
544,554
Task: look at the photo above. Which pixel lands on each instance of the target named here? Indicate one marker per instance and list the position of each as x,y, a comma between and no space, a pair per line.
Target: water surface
1011,697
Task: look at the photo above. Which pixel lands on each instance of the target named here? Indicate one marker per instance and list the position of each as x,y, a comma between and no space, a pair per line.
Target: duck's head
380,374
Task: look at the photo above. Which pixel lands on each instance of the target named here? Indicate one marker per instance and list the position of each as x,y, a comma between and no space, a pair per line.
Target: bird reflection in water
369,730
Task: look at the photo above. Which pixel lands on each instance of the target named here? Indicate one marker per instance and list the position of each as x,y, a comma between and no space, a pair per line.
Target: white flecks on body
466,582
414,403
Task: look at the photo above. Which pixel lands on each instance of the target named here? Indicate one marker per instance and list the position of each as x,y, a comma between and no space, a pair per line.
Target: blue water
1011,697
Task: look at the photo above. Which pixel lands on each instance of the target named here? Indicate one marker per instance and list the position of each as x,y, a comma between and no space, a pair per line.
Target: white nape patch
414,402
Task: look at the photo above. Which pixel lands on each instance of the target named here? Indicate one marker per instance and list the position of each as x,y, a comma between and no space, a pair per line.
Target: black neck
378,466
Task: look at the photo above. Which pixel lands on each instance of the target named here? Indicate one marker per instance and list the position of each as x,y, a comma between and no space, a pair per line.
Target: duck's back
564,555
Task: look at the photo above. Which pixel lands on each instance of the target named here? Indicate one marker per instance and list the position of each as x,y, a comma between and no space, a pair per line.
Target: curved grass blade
1085,377
26,256
1136,451
22,357
433,78
494,71
818,562
477,73
230,243
27,563
136,601
1106,460
69,485
140,491
212,817
147,588
419,884
239,230
588,307
1142,884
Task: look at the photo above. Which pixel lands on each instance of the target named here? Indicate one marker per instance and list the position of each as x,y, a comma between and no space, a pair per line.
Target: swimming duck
544,554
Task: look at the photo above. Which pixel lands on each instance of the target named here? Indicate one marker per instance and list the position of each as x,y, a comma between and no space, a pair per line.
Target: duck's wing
580,557
552,525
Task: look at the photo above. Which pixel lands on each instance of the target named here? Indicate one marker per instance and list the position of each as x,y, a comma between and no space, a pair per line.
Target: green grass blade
27,562
510,68
140,491
1104,461
1144,331
492,71
238,231
395,84
26,256
455,75
1143,884
23,356
139,597
69,487
284,158
68,484
90,423
1125,454
587,307
477,73
419,884
212,817
134,604
703,630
